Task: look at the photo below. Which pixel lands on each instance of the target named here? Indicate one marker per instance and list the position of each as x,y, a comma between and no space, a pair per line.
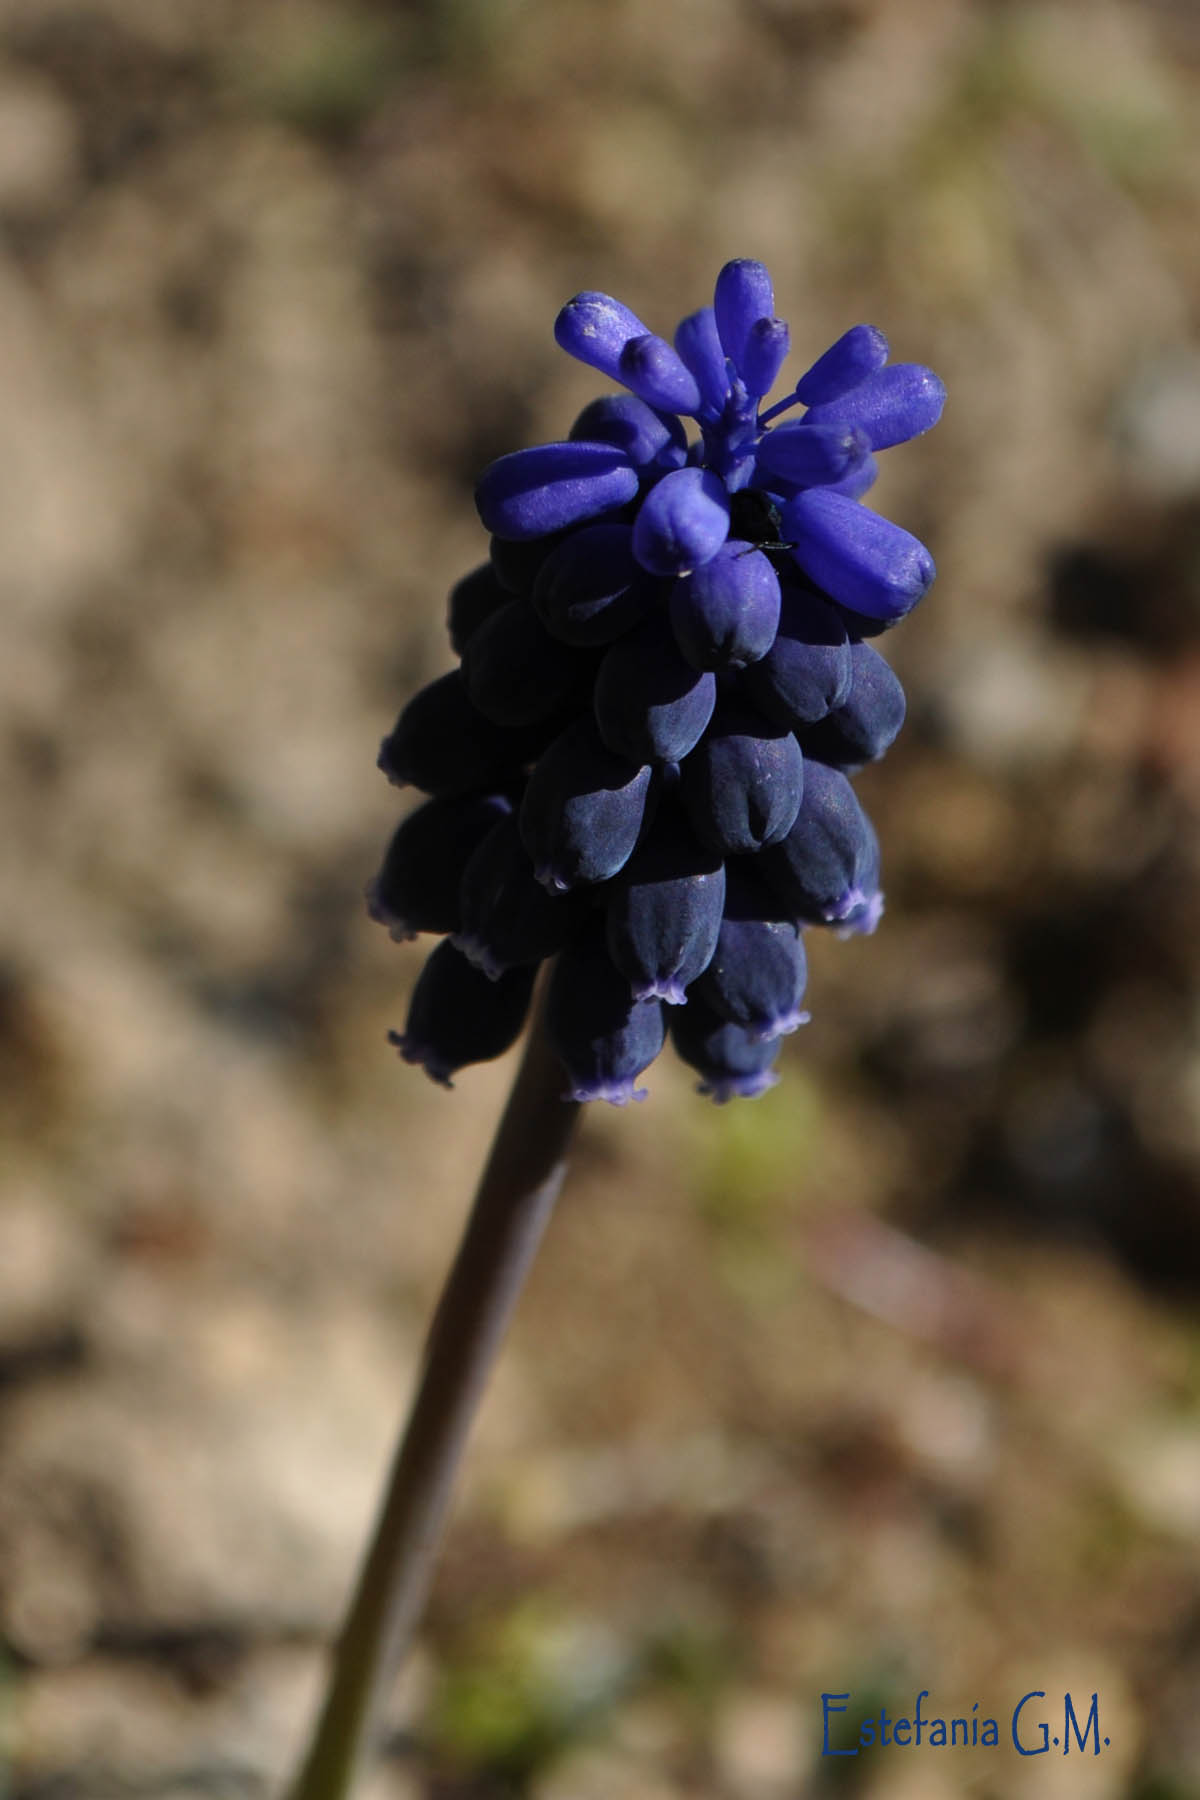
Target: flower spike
643,767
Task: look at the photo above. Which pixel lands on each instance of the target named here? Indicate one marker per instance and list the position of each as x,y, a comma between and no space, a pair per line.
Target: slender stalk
516,1195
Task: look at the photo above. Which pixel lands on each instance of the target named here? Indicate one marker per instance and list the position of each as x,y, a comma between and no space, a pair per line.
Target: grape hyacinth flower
665,680
640,773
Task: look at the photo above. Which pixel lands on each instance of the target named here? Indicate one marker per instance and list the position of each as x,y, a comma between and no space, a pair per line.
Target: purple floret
682,522
856,557
742,298
533,492
857,354
891,406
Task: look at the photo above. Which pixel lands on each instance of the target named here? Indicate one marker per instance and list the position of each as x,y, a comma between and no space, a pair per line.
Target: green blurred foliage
529,1686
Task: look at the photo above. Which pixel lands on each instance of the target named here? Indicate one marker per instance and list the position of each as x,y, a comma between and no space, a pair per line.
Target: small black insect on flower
641,767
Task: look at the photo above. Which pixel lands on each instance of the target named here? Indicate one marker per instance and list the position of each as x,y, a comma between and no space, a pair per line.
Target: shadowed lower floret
583,810
443,745
590,589
417,887
758,970
809,668
664,911
604,1035
506,917
458,1015
650,705
472,600
743,784
733,1063
826,870
868,720
516,673
642,768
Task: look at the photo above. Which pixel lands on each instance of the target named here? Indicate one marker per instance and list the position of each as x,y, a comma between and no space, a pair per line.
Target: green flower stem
512,1208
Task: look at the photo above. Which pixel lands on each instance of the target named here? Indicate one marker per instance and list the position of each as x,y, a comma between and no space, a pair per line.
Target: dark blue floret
591,589
733,1063
743,783
757,974
457,1016
442,744
515,565
583,809
641,766
604,1036
505,916
515,672
472,600
826,870
867,721
416,888
664,911
651,705
808,669
726,614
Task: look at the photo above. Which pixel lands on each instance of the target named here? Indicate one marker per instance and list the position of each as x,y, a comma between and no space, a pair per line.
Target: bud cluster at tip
642,765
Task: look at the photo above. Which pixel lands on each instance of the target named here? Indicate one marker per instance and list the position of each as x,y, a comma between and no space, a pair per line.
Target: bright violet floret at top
642,768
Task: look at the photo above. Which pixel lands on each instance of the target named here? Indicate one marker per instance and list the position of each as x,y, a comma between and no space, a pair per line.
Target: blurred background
889,1381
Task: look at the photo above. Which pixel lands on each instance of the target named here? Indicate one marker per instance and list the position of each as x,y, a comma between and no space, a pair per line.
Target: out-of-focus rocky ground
889,1381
